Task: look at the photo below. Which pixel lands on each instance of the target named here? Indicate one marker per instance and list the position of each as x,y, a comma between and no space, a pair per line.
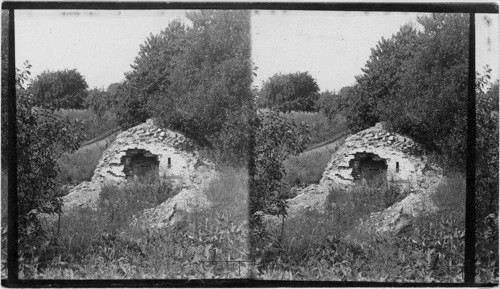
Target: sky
331,46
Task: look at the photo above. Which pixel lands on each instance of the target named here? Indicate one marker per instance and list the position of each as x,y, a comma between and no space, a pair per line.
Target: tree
150,75
195,80
416,81
59,89
98,101
380,78
276,138
431,100
42,137
486,148
332,104
286,92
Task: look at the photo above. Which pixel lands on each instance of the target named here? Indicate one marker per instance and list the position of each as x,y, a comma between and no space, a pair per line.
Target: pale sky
331,46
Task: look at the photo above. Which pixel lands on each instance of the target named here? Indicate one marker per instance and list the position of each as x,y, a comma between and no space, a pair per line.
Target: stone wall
407,164
174,152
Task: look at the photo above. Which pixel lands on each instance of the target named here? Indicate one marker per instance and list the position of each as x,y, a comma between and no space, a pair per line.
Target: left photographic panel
133,132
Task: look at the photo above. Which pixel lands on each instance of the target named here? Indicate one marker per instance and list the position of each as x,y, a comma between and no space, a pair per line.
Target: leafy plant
276,139
42,138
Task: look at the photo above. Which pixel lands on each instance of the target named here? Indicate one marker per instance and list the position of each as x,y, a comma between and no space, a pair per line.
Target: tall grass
104,243
317,246
80,165
307,168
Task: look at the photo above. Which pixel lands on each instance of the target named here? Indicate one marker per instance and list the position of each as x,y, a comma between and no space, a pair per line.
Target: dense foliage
276,138
333,104
423,76
59,89
42,137
98,101
196,80
487,149
289,92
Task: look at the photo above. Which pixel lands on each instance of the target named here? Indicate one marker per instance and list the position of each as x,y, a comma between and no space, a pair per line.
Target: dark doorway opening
370,167
140,163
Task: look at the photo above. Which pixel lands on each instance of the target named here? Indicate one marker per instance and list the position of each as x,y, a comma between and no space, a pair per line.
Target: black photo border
471,8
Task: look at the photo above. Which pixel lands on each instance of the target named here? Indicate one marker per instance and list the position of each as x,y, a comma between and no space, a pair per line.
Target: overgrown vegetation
106,244
320,246
79,166
196,80
276,138
306,168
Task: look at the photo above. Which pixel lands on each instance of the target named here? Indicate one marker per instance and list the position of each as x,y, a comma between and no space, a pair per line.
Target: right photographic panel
360,159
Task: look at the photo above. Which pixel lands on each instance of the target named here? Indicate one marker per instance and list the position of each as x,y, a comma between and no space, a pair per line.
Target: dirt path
98,144
328,147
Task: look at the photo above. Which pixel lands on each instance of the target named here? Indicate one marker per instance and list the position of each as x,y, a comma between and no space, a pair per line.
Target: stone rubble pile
419,177
187,165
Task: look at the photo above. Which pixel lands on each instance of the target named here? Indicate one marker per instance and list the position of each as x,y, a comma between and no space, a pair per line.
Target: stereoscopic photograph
250,144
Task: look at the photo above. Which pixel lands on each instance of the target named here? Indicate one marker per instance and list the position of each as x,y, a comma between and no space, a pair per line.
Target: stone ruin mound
377,154
147,149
